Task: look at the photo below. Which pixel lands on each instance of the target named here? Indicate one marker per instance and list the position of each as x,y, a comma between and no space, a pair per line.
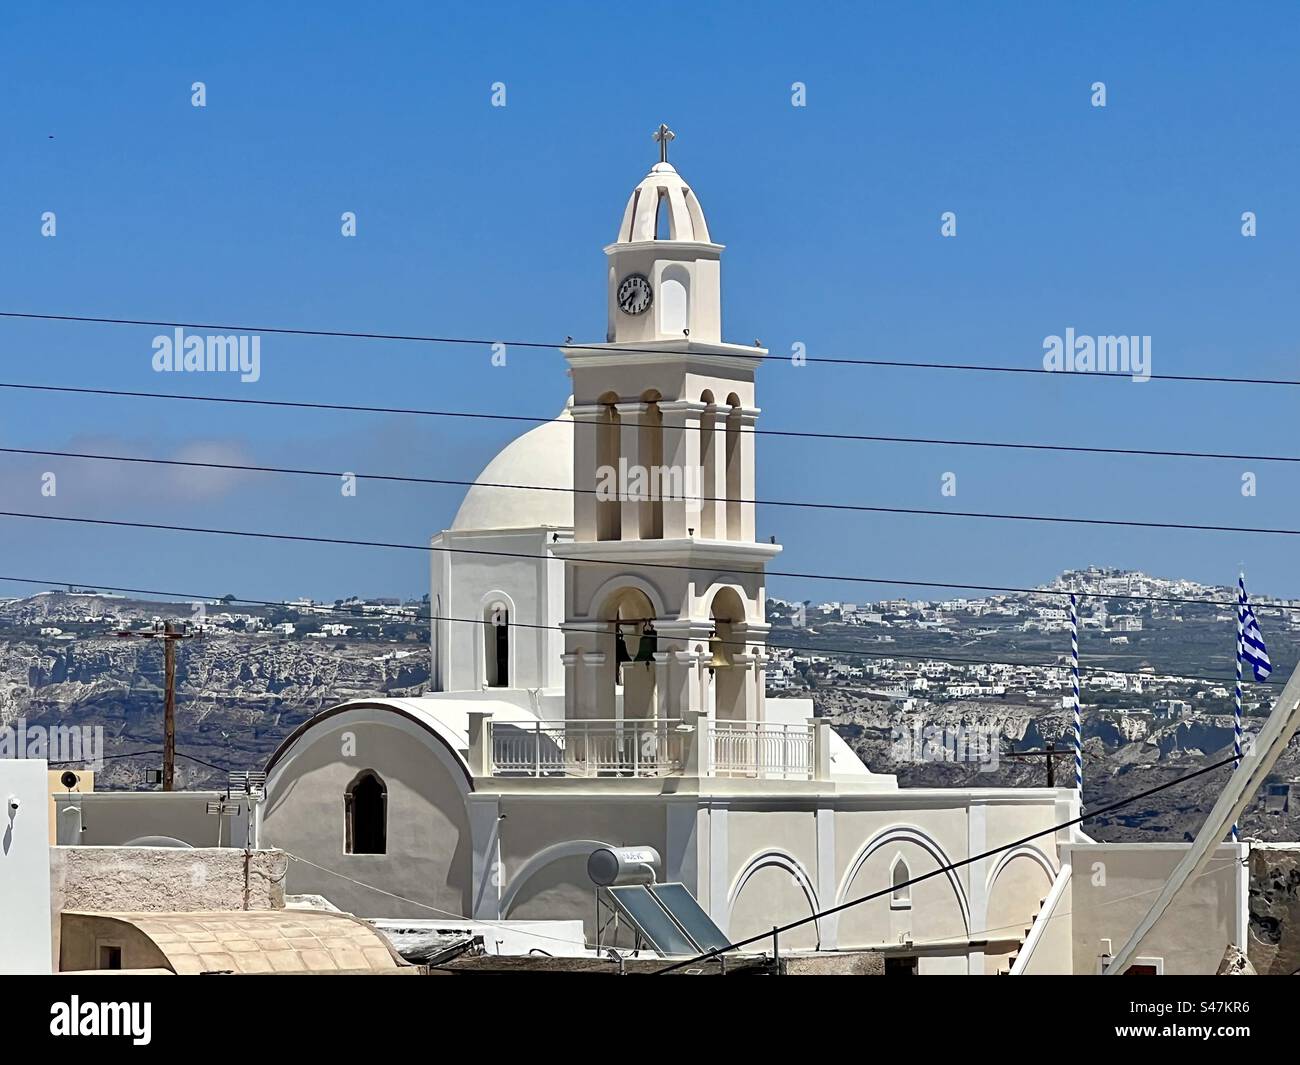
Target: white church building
598,660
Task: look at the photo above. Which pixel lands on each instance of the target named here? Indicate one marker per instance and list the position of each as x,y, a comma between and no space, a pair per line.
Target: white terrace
697,746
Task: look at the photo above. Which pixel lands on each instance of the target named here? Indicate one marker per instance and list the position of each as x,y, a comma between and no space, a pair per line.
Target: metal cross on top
663,135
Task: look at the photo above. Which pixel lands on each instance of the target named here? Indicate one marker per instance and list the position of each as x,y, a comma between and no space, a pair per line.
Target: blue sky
483,221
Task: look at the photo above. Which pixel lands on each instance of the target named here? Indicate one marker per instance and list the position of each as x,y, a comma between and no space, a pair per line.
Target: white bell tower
665,611
664,271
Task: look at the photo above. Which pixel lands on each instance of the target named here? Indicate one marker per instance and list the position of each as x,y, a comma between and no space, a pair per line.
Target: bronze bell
649,644
721,654
620,648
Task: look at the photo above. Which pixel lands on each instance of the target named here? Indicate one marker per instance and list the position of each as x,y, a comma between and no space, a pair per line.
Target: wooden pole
169,634
169,710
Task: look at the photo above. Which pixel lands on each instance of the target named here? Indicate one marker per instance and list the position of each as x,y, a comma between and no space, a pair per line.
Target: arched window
496,645
674,301
709,463
651,444
733,460
609,507
365,806
900,898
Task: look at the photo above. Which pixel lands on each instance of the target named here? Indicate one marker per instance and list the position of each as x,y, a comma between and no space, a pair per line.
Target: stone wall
1275,909
179,879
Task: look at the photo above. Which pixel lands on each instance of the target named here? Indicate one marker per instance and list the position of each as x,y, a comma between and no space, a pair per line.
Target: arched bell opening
727,677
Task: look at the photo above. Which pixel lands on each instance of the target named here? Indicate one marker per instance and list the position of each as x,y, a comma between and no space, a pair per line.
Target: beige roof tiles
262,941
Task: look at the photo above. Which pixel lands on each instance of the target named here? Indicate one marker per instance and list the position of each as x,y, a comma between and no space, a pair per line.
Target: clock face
634,294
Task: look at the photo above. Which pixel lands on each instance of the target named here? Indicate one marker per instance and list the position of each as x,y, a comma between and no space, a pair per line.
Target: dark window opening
366,808
496,648
900,966
110,957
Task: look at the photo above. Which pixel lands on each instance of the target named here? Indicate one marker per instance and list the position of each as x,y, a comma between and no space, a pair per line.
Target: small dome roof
542,456
663,186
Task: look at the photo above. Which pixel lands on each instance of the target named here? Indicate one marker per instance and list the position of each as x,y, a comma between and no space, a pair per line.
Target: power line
858,508
851,507
943,869
812,649
301,538
141,754
533,419
552,345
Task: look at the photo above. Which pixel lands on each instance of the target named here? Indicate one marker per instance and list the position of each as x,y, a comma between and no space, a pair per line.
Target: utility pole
169,634
1047,755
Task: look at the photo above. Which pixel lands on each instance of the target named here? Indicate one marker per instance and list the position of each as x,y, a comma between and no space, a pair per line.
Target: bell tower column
681,437
747,418
586,433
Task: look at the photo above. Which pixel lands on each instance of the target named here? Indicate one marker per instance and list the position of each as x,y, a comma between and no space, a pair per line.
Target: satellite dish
69,779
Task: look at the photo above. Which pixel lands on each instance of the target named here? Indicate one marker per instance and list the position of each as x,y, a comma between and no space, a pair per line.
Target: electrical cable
569,345
943,869
692,426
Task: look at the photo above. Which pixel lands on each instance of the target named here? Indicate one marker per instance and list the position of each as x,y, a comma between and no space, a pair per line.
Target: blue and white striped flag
1252,648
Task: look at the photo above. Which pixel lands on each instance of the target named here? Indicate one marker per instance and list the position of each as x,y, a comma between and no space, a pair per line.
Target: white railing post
819,767
480,743
698,743
537,748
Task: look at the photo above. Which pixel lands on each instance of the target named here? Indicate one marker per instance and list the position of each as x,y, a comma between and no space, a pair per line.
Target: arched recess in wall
1025,850
733,464
773,889
709,445
650,439
495,644
674,300
608,507
1017,885
573,848
938,907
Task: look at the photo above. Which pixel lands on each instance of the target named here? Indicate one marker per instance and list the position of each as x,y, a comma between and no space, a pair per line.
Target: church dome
542,456
663,188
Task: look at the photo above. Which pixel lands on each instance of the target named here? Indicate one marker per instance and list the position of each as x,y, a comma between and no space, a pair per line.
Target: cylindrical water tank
612,866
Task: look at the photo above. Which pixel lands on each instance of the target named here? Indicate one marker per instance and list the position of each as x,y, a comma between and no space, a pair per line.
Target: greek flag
1252,647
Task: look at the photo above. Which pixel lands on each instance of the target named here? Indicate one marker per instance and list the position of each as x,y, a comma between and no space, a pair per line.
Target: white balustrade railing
632,748
762,749
651,748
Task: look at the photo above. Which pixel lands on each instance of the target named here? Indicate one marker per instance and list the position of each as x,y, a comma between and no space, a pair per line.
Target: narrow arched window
496,646
709,463
900,897
609,506
365,806
652,458
733,462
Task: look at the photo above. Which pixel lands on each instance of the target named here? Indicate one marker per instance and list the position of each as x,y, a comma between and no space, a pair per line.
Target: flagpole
1074,679
1236,699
